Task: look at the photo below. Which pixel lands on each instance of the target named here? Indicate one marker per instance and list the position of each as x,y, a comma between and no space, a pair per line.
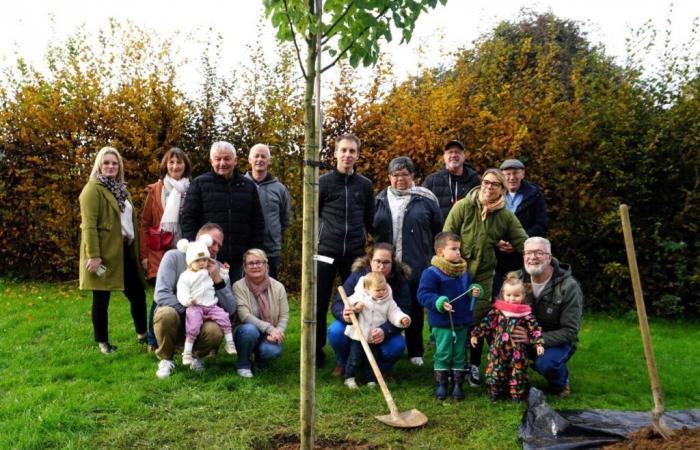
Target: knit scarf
259,291
176,191
490,206
403,196
449,268
117,188
511,310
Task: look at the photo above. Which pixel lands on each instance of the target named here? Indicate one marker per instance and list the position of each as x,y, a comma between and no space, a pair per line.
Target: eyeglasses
255,263
537,253
494,184
382,262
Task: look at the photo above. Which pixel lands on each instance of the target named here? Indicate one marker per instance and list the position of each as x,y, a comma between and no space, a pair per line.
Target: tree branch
294,38
329,32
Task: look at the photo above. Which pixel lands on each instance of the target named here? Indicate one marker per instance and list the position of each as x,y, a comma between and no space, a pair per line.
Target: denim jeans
390,350
552,365
250,340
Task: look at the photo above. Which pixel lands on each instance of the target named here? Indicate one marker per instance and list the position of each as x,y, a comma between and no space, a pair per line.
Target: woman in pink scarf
264,312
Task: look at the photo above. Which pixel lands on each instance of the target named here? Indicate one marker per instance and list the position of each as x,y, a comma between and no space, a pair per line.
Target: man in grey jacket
169,318
275,202
557,303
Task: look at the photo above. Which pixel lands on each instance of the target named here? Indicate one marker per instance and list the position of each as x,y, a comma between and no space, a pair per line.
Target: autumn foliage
593,133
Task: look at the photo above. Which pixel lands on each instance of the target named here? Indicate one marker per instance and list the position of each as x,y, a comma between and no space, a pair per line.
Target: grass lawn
58,391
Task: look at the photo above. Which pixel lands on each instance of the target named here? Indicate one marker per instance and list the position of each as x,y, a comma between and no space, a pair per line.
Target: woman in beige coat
109,249
263,311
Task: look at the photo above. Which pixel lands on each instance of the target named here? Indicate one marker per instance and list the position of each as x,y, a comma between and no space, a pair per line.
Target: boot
458,380
441,384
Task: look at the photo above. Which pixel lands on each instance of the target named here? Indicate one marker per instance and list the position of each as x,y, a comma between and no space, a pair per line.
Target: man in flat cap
526,201
456,177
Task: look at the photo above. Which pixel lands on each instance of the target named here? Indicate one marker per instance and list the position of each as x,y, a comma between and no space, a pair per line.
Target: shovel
658,411
407,419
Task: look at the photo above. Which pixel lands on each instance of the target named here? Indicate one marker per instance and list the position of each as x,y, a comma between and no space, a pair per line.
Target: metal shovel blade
406,419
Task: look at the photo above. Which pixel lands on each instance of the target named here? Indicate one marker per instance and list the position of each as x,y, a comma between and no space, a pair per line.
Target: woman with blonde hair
109,249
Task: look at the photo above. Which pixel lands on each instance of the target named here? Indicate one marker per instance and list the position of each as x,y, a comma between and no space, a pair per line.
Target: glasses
382,262
493,184
255,263
400,175
537,253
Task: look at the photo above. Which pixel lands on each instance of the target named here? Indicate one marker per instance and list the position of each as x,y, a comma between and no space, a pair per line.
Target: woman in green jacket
481,220
108,246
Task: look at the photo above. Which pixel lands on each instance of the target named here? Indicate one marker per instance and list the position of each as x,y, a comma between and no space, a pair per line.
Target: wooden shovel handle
372,362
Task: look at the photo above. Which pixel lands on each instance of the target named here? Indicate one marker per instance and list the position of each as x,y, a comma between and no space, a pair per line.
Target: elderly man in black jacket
526,200
345,212
226,198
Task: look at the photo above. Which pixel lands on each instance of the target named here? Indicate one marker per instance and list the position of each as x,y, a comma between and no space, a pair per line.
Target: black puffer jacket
532,214
232,204
449,188
346,211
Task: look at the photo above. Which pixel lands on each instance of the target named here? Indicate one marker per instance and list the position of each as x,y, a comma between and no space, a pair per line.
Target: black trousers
357,359
273,266
414,333
134,292
325,278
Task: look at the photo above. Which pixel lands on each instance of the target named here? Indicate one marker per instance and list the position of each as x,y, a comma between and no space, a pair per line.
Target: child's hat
195,250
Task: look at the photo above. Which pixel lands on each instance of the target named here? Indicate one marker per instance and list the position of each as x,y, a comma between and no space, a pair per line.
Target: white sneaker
350,383
165,368
230,348
187,359
245,373
197,365
417,361
371,384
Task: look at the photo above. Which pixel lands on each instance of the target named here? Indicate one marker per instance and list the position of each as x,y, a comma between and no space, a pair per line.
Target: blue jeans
249,339
552,365
151,336
391,349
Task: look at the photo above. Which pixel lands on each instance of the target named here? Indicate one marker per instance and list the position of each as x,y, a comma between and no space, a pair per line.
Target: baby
195,291
374,305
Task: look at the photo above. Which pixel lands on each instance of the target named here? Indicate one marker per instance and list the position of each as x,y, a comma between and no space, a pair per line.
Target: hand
504,246
347,314
540,350
93,263
474,340
144,263
405,322
213,269
377,336
275,335
476,292
358,307
519,335
447,307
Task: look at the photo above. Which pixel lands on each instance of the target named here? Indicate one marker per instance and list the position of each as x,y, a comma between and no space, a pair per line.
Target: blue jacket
401,292
435,283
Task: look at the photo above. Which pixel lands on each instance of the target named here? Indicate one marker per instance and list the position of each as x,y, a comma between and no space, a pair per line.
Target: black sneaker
106,347
474,377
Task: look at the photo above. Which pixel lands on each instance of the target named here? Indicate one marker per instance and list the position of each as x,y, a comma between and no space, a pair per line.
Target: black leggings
133,290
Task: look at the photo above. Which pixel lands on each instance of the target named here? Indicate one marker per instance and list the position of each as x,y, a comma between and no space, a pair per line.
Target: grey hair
222,145
540,240
97,167
255,252
257,146
400,163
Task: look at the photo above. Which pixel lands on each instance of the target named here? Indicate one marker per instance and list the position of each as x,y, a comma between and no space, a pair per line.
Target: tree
341,29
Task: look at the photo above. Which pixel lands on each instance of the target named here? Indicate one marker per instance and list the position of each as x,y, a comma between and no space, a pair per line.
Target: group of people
469,249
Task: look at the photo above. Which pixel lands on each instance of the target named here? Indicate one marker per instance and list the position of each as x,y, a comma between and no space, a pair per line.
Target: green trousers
449,352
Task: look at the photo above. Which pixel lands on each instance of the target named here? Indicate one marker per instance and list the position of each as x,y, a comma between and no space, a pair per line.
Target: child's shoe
417,361
187,358
350,383
458,380
371,384
441,384
230,348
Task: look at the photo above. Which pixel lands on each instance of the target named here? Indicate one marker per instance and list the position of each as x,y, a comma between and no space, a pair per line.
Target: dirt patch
648,439
292,442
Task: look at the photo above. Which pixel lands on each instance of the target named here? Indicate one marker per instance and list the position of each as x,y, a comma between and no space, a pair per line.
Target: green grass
58,391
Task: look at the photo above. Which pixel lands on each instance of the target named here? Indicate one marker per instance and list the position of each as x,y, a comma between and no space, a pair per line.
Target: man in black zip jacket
454,180
346,212
226,198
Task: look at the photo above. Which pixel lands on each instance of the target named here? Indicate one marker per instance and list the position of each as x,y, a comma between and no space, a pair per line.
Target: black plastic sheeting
547,429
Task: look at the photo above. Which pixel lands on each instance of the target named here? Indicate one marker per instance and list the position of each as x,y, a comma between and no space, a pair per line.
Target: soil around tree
648,439
292,442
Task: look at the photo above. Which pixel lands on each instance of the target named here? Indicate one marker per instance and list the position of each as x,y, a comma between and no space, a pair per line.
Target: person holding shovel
443,291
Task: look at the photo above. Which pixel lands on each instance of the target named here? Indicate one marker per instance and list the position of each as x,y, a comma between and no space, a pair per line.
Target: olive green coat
101,236
479,238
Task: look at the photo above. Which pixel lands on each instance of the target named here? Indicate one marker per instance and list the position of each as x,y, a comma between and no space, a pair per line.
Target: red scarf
513,309
260,292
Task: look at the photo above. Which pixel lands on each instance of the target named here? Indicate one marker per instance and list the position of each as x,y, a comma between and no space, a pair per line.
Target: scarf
171,213
260,293
490,206
117,188
397,205
512,310
450,268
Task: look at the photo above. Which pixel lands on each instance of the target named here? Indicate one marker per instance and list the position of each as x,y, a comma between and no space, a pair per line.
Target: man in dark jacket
226,198
454,180
526,200
345,211
557,303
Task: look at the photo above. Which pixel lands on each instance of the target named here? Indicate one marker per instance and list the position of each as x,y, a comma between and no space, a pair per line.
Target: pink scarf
513,309
490,206
260,292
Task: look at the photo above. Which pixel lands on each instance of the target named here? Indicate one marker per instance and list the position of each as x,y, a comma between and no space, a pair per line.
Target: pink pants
196,315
